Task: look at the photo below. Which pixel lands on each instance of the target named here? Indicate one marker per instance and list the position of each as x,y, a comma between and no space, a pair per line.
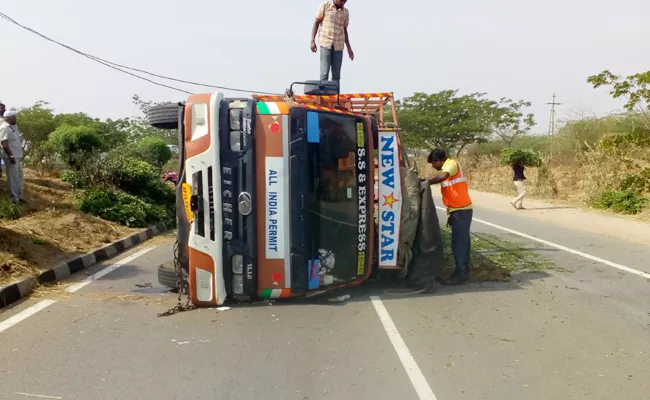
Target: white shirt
11,135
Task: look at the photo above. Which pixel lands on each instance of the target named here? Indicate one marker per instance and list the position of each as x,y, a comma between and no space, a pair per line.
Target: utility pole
551,125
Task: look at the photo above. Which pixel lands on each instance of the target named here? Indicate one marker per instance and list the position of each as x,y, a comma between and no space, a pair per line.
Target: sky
505,48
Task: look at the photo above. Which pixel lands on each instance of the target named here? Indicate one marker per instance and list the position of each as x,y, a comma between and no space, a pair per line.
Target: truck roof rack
377,104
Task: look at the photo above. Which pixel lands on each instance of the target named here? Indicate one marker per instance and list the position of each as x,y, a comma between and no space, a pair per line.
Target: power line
190,82
552,121
551,127
121,68
91,57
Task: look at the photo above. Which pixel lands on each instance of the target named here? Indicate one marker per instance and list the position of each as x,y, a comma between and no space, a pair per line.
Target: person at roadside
455,195
519,178
13,156
332,19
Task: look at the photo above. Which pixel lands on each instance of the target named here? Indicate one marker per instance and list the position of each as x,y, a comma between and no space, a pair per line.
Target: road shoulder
21,289
568,216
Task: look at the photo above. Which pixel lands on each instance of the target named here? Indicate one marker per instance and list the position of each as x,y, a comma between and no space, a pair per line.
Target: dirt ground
51,230
483,272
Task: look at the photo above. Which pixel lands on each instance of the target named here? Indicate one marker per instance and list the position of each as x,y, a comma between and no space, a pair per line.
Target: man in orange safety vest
455,195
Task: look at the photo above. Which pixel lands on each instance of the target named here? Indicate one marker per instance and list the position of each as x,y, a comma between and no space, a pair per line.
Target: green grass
38,241
498,252
9,209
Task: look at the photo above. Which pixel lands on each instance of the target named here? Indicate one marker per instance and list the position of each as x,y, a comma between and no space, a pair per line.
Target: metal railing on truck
377,104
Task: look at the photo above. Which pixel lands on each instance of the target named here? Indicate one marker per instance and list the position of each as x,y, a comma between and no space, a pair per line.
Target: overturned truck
289,196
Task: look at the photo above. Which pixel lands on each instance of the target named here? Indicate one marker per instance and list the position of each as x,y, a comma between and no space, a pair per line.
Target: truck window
333,196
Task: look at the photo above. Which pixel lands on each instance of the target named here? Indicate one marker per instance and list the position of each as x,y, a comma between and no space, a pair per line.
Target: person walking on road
519,178
332,18
13,156
455,195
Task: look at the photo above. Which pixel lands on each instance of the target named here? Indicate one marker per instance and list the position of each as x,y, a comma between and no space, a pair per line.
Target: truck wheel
163,116
167,276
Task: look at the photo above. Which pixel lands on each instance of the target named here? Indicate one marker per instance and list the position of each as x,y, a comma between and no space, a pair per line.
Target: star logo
389,200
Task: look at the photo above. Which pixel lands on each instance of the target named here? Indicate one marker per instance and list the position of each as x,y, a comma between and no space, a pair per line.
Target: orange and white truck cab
278,192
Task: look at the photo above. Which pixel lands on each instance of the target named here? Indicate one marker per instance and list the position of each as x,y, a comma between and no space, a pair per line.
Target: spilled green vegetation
491,252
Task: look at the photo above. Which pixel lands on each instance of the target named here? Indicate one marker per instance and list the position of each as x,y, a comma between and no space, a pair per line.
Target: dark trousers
330,59
460,221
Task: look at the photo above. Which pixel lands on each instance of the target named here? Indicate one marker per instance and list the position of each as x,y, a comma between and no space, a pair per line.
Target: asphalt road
582,333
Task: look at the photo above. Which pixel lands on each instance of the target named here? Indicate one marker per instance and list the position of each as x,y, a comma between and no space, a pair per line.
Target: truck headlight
235,140
236,115
238,264
238,284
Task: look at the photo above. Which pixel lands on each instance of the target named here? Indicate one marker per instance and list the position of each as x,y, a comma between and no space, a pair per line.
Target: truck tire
163,116
167,276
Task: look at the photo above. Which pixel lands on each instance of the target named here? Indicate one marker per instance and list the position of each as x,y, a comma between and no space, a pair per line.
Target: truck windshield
337,208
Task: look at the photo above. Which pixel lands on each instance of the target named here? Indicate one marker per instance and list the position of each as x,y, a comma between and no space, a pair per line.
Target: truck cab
283,196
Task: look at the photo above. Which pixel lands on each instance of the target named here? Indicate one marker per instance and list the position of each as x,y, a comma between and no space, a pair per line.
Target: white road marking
39,395
564,248
107,270
418,381
26,313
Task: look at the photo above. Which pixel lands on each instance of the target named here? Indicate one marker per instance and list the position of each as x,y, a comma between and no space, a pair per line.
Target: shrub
623,141
43,157
9,209
76,144
74,178
123,208
637,183
142,179
511,157
154,151
620,201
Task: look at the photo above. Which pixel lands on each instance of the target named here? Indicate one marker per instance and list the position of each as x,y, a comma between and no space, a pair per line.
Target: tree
76,119
76,145
509,120
445,119
114,133
635,88
139,126
154,151
35,123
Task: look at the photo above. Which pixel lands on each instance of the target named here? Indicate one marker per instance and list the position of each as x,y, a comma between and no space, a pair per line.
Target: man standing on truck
332,18
455,195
